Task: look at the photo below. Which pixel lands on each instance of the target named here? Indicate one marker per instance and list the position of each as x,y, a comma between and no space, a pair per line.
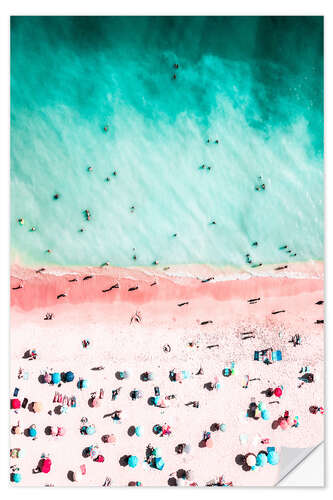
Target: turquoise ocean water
253,83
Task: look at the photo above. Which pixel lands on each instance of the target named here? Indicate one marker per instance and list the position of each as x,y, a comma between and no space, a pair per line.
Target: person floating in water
56,196
90,169
87,213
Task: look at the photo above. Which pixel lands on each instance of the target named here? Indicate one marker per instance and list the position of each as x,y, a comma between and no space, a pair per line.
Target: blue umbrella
82,384
90,430
265,414
32,432
223,427
16,477
139,431
56,378
157,452
273,458
261,460
186,374
159,463
69,377
133,461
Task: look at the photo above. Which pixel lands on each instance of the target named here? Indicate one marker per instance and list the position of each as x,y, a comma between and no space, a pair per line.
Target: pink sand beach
214,313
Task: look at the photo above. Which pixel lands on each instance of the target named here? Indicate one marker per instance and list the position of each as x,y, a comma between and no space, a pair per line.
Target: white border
144,7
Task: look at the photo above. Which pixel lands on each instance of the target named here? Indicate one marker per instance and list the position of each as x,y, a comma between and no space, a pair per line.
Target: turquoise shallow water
255,84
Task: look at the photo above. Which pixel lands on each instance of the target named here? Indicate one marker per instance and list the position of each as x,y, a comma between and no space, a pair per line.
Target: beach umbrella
69,377
273,458
77,476
90,430
150,376
187,448
223,427
178,377
37,407
20,453
110,438
56,378
156,400
15,404
185,374
251,460
46,465
17,429
265,414
32,432
125,374
133,461
16,477
61,431
159,463
209,443
96,402
82,384
278,392
139,430
218,386
157,452
284,424
47,378
261,460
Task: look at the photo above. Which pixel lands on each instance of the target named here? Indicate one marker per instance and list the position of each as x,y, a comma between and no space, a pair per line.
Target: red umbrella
46,465
16,404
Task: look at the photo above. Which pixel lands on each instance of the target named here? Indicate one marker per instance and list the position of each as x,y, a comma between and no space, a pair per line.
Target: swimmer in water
174,235
174,77
56,196
49,251
90,169
255,244
213,222
176,66
20,221
132,208
108,179
33,228
155,262
134,257
114,173
81,230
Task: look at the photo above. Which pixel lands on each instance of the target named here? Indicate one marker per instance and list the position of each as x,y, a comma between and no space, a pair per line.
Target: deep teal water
253,83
